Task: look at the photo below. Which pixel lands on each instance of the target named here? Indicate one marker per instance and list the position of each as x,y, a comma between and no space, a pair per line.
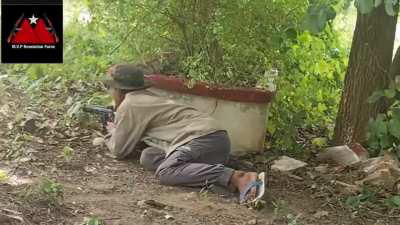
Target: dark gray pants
199,162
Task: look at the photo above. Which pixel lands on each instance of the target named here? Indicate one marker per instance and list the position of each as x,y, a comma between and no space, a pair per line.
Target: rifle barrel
96,109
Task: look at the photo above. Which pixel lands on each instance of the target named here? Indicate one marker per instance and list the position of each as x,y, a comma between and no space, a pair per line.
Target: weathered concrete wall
245,122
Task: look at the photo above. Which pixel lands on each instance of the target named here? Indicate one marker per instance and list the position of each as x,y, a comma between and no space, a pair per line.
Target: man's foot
241,180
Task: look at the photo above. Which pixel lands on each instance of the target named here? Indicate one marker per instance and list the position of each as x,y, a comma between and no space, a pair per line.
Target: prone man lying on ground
185,147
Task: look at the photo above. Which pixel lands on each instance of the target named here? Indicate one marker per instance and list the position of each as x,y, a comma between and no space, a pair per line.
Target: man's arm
124,135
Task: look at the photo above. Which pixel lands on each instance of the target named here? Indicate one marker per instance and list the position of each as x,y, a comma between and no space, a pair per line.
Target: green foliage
389,6
309,88
322,12
384,130
293,219
365,197
223,42
244,41
366,6
45,191
68,153
318,16
393,201
371,198
92,220
319,142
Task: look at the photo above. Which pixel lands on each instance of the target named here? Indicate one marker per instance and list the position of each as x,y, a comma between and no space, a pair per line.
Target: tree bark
368,71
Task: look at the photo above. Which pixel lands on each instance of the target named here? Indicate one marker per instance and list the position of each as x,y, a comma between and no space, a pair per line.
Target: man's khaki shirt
157,121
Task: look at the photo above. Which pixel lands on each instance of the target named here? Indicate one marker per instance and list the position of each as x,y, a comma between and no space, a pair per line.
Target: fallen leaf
19,116
321,214
5,109
90,169
25,159
252,222
3,175
98,141
285,163
169,217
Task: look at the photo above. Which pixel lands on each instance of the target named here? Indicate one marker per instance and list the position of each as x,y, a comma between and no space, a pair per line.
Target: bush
384,130
224,42
309,88
221,42
45,191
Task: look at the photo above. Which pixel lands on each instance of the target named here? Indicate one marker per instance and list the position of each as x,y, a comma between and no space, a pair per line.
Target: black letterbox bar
31,2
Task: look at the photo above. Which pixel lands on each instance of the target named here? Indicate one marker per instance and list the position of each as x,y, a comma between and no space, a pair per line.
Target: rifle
53,31
15,29
106,114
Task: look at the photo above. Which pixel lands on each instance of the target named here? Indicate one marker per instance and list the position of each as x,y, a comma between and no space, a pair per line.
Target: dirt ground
95,185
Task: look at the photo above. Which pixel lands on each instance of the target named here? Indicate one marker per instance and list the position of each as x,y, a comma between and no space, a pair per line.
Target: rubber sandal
261,189
259,184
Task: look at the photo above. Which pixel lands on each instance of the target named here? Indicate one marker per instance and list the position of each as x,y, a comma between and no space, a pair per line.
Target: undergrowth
45,192
224,42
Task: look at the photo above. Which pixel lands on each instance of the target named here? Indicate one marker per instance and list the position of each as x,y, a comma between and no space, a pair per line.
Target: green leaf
381,127
319,142
375,96
322,68
390,93
304,38
365,6
27,137
353,202
373,143
396,200
291,33
68,153
385,142
389,7
396,113
394,127
3,175
377,3
317,17
271,128
397,83
378,136
92,221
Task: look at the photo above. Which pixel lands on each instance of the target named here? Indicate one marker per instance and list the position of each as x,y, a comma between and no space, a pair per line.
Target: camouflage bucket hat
126,77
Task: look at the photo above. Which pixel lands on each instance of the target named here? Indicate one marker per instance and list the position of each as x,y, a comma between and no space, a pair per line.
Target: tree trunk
368,71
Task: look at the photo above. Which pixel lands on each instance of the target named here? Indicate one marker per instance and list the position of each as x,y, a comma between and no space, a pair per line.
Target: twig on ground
295,177
11,211
114,218
20,219
380,214
395,186
16,215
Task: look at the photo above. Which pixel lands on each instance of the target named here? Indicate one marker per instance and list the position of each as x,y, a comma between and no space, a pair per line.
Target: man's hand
110,127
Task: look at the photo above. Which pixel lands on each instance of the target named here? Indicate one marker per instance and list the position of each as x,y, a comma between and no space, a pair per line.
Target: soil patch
95,185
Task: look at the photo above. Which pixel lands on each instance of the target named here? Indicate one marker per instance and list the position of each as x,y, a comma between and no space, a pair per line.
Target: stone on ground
285,164
341,155
381,171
